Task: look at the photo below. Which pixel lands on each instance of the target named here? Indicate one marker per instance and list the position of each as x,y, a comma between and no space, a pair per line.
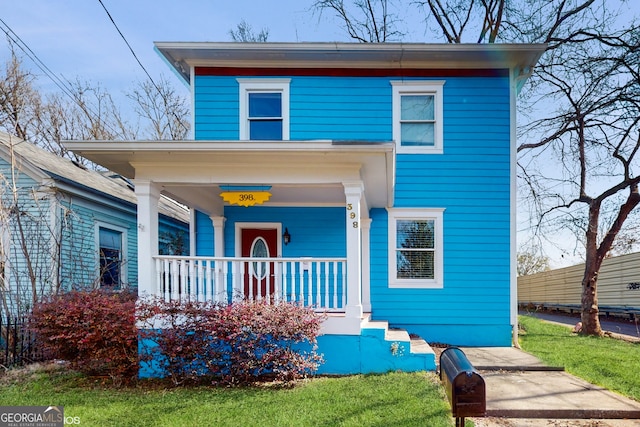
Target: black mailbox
463,384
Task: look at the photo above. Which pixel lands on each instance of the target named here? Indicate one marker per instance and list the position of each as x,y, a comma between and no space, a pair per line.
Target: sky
76,38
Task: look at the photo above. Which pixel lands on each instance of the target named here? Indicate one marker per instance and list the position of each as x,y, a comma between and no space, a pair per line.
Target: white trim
192,94
265,85
192,232
436,214
513,272
124,271
239,226
409,87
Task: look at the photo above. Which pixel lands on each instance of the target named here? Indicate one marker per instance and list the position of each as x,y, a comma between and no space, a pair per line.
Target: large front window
417,116
415,252
264,109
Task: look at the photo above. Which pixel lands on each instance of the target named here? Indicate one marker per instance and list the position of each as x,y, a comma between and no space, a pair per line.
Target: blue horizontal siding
471,181
315,232
204,235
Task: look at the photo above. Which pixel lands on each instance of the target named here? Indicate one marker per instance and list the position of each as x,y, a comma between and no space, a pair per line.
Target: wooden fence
618,286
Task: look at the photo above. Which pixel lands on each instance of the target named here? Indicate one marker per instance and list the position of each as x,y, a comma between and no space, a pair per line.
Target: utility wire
143,68
62,84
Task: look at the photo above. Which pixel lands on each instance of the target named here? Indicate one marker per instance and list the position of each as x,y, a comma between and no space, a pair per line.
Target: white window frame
435,214
418,87
263,85
124,273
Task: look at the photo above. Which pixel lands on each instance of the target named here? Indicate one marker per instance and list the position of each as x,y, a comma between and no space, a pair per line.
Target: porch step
380,328
376,349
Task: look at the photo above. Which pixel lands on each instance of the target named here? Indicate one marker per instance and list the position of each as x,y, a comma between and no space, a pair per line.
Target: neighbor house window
415,248
264,109
111,244
417,116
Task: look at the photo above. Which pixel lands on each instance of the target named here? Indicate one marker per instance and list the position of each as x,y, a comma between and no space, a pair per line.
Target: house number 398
352,215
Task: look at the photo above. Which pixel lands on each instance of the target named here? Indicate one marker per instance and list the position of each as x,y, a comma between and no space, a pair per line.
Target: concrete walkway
522,391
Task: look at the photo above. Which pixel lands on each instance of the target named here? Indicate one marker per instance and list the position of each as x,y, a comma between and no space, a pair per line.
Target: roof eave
183,56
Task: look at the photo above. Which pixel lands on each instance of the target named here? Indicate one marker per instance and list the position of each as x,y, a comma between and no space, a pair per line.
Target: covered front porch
352,177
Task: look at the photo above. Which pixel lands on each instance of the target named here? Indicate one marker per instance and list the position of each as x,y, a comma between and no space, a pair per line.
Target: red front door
259,277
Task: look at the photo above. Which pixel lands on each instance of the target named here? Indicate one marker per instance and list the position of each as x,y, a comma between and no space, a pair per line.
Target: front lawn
608,362
398,399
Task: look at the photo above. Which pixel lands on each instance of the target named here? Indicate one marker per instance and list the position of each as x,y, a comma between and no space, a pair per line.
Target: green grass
398,399
608,362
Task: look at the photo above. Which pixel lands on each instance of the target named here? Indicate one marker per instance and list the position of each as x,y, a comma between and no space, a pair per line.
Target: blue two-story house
373,182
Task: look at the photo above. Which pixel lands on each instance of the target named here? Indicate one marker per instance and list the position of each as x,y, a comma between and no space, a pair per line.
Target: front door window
259,249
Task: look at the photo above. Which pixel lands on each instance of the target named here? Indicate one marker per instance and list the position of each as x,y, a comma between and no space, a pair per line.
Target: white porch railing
313,282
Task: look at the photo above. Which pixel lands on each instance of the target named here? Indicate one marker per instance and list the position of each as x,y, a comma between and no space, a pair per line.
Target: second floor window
265,115
264,109
417,116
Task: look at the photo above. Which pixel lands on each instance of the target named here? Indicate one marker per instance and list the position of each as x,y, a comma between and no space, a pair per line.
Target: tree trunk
589,317
592,263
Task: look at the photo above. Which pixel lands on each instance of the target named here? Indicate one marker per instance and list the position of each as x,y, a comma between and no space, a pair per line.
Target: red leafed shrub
236,344
95,331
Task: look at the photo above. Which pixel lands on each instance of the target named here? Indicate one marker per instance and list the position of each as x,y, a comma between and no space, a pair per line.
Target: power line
62,84
142,66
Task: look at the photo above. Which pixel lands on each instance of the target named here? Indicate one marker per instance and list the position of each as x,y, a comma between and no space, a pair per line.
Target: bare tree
593,134
245,33
18,99
531,261
367,21
159,106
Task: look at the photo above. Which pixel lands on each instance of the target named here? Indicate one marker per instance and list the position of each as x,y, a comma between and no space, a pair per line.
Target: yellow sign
245,198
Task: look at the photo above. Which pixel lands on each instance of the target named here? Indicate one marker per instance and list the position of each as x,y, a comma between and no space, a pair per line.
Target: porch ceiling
299,172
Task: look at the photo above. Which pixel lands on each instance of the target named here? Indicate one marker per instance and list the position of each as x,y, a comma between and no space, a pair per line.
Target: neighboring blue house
375,182
65,227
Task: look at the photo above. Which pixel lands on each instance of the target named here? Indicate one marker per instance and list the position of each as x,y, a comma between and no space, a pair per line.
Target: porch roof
307,173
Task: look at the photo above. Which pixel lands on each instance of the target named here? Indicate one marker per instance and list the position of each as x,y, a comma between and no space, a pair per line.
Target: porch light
286,237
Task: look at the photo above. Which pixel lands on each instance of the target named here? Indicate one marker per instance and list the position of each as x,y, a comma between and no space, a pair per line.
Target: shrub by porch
238,343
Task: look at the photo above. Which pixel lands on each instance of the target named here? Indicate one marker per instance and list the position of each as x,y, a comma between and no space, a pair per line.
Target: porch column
366,264
353,192
218,235
148,195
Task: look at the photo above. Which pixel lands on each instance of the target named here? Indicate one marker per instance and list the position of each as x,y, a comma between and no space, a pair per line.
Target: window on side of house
415,248
417,116
264,109
111,244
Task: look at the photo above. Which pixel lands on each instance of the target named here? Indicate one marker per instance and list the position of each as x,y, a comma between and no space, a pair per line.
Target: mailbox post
463,384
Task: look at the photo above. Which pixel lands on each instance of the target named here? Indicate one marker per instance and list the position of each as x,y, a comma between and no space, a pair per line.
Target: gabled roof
43,165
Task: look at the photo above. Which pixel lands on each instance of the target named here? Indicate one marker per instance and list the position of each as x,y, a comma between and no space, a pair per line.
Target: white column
148,194
192,232
353,192
218,235
366,264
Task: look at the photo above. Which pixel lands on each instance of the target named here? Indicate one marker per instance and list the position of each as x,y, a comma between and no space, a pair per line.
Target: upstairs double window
417,116
264,109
